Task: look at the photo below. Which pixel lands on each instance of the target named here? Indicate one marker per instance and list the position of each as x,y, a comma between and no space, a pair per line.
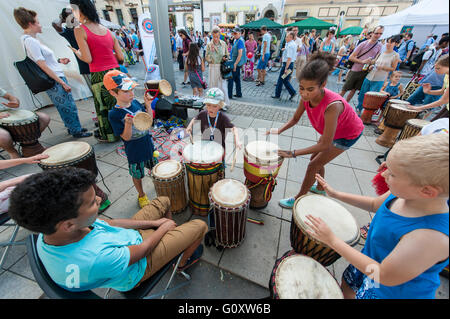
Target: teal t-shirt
99,260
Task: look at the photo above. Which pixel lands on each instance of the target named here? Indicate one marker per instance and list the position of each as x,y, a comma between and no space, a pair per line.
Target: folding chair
4,218
54,291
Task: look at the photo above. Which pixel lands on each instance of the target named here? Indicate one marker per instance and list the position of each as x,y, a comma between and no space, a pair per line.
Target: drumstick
191,138
234,160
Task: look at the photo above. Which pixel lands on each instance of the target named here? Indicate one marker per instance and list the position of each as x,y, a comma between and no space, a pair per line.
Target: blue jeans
285,81
236,79
418,97
66,107
368,86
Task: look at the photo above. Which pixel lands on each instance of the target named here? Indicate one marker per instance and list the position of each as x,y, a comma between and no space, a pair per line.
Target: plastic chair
4,218
54,291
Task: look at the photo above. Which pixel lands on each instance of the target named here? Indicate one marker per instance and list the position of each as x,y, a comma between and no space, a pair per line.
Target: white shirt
431,56
179,41
299,44
37,51
290,51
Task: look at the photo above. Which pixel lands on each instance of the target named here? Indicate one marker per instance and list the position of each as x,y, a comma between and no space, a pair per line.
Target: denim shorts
345,144
137,170
262,65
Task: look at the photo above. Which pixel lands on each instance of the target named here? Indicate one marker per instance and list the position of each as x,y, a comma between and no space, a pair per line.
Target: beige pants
299,64
173,242
215,81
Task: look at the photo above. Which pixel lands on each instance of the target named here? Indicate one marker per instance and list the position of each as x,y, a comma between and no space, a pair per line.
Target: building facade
121,12
354,13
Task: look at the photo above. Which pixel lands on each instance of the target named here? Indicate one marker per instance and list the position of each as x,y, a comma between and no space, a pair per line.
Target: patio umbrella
259,23
351,31
311,23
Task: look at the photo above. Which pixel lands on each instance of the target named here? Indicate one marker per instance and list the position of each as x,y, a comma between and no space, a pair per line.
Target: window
106,15
328,12
134,15
249,18
300,14
389,10
231,18
120,17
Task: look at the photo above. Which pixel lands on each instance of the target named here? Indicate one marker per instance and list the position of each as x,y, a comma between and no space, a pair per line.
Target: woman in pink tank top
330,115
101,50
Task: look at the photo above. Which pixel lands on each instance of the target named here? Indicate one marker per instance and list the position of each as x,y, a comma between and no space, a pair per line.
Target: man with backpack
430,57
406,48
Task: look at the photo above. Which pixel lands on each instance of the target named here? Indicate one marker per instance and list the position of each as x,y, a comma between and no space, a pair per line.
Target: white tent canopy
427,17
109,24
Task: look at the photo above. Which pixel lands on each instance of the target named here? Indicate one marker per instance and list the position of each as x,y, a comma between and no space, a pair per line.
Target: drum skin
412,128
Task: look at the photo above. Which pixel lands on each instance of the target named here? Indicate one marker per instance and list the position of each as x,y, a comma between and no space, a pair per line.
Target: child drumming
393,87
138,144
195,66
213,118
331,116
407,244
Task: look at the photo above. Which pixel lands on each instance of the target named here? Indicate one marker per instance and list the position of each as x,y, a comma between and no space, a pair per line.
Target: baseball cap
237,29
116,79
214,96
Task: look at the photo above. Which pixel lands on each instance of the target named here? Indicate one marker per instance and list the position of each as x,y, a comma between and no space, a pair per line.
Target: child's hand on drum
4,114
327,188
319,230
36,159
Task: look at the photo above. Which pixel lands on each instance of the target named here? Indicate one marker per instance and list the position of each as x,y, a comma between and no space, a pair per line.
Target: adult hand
234,68
426,88
157,223
328,189
319,230
64,60
168,225
285,154
13,102
3,114
36,159
66,87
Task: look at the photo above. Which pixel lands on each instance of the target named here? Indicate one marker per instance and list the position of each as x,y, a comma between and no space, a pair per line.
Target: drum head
397,101
65,153
165,88
17,115
376,93
142,121
301,277
262,151
418,122
203,152
336,216
167,169
229,193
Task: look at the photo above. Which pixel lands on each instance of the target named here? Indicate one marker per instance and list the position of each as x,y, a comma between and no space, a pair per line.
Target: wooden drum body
371,103
261,167
296,276
412,128
230,200
339,219
204,167
23,125
395,119
169,180
386,109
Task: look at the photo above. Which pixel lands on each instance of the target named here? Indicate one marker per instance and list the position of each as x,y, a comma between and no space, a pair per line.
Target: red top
102,51
349,125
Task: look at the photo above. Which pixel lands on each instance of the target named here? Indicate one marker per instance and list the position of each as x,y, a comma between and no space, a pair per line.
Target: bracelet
293,154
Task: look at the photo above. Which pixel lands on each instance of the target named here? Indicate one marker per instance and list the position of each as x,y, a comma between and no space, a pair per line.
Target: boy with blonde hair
407,244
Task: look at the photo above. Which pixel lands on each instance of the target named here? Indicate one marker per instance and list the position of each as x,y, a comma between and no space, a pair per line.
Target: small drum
204,167
23,125
70,154
261,167
412,128
339,219
143,121
393,101
296,276
395,119
372,102
229,202
158,86
168,178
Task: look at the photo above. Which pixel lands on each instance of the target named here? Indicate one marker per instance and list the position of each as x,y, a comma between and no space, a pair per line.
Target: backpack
200,43
418,59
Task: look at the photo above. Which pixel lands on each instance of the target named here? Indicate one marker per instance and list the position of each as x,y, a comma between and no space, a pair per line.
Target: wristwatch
293,154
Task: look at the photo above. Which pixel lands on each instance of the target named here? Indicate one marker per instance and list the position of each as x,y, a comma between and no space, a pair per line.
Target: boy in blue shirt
407,243
138,144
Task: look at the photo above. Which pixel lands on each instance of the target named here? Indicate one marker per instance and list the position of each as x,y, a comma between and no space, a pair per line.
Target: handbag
204,85
349,64
226,69
36,79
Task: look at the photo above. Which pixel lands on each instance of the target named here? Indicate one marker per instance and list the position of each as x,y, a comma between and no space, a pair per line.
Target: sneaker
143,201
287,202
193,259
104,206
82,130
314,189
82,134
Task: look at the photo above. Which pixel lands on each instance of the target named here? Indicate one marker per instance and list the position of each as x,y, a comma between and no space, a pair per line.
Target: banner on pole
146,29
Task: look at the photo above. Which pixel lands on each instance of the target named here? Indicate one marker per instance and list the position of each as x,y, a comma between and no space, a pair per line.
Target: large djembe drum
412,128
371,103
23,125
381,126
261,166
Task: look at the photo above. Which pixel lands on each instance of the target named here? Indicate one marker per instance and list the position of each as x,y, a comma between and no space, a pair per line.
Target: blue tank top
392,90
384,234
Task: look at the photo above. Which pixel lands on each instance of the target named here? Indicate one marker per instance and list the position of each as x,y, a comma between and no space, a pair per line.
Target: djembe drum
23,125
261,167
169,180
394,121
72,154
156,87
204,167
412,128
229,200
371,103
339,219
296,276
381,126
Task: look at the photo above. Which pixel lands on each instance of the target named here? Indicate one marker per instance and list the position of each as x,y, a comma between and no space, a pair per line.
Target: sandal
364,231
193,259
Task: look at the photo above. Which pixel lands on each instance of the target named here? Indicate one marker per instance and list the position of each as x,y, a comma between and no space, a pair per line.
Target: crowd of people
408,238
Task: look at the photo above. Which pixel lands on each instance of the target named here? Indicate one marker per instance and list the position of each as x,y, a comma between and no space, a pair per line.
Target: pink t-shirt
349,125
251,46
102,51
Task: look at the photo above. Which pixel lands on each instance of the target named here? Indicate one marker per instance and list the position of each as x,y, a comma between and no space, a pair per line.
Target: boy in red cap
138,144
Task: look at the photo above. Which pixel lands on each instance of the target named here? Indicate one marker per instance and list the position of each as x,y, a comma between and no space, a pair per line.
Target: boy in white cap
212,118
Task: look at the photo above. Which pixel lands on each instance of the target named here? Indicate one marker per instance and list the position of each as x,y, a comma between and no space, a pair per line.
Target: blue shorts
262,65
362,285
345,144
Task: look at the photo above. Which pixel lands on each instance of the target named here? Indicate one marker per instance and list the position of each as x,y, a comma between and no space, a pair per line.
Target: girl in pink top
101,50
330,115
